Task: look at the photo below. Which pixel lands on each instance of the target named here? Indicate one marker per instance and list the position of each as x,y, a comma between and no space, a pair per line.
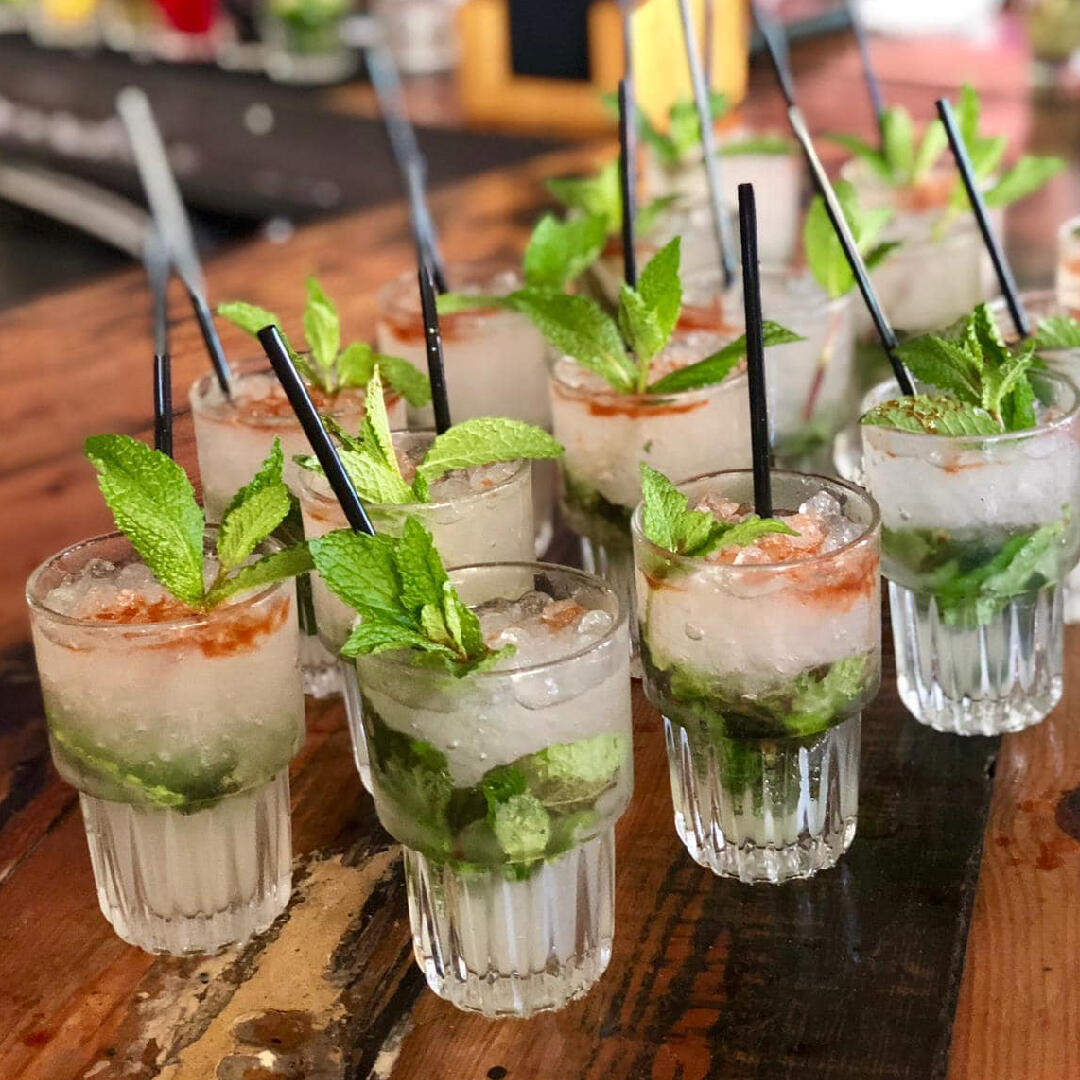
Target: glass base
765,811
514,948
354,716
192,883
322,677
1003,676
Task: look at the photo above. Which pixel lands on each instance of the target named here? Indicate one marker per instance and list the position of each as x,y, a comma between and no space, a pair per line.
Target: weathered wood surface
852,975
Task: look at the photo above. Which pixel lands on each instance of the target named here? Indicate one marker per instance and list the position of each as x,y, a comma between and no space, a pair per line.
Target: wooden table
857,974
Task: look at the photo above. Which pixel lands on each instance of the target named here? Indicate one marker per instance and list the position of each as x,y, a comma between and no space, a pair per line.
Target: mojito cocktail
979,531
760,654
177,728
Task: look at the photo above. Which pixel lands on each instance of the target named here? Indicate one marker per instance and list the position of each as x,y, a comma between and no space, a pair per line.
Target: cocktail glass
504,787
978,533
303,40
939,273
495,361
177,728
233,438
608,434
761,670
813,381
476,515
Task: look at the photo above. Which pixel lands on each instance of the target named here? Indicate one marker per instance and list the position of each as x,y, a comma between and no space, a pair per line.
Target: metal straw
316,434
978,205
708,146
873,87
777,53
755,351
167,209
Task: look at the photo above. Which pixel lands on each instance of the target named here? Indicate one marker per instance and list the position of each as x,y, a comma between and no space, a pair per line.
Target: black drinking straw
708,146
777,53
170,218
433,338
156,261
873,87
627,177
755,351
325,451
407,153
978,205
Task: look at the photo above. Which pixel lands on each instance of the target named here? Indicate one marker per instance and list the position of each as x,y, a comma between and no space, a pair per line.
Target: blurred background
270,121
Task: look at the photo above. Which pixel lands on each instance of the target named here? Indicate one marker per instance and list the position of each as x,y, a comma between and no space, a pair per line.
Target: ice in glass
761,657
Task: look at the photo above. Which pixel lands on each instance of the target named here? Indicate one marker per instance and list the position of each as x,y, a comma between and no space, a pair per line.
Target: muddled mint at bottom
975,573
516,816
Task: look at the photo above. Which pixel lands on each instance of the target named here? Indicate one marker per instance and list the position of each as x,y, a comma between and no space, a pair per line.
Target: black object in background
549,38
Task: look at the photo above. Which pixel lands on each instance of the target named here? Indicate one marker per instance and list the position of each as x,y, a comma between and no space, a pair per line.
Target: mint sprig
153,504
669,523
824,253
405,599
1057,332
985,384
372,464
327,365
599,195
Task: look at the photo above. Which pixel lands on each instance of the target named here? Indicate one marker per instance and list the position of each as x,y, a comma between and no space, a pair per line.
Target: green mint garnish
400,589
824,254
901,160
328,366
153,504
599,195
558,252
372,465
1057,332
621,350
985,385
668,521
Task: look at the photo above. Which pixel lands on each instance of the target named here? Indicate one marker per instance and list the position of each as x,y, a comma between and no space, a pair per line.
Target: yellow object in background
493,94
68,11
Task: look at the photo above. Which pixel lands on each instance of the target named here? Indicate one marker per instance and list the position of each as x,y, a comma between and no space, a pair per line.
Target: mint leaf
374,481
265,571
322,328
248,317
715,368
898,143
933,416
668,521
484,440
934,142
420,569
968,113
1023,179
356,365
375,434
639,326
560,251
153,504
1057,332
522,827
1018,408
761,145
576,326
373,636
1000,381
251,522
451,303
361,571
594,195
660,288
945,364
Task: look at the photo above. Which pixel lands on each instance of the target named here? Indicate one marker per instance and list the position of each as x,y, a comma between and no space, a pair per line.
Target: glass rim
400,297
38,606
998,438
206,384
583,576
698,561
308,483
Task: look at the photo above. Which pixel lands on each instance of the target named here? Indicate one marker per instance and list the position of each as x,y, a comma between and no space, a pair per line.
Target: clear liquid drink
1067,273
813,382
504,787
495,361
177,728
233,438
608,434
760,660
477,515
978,534
940,272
